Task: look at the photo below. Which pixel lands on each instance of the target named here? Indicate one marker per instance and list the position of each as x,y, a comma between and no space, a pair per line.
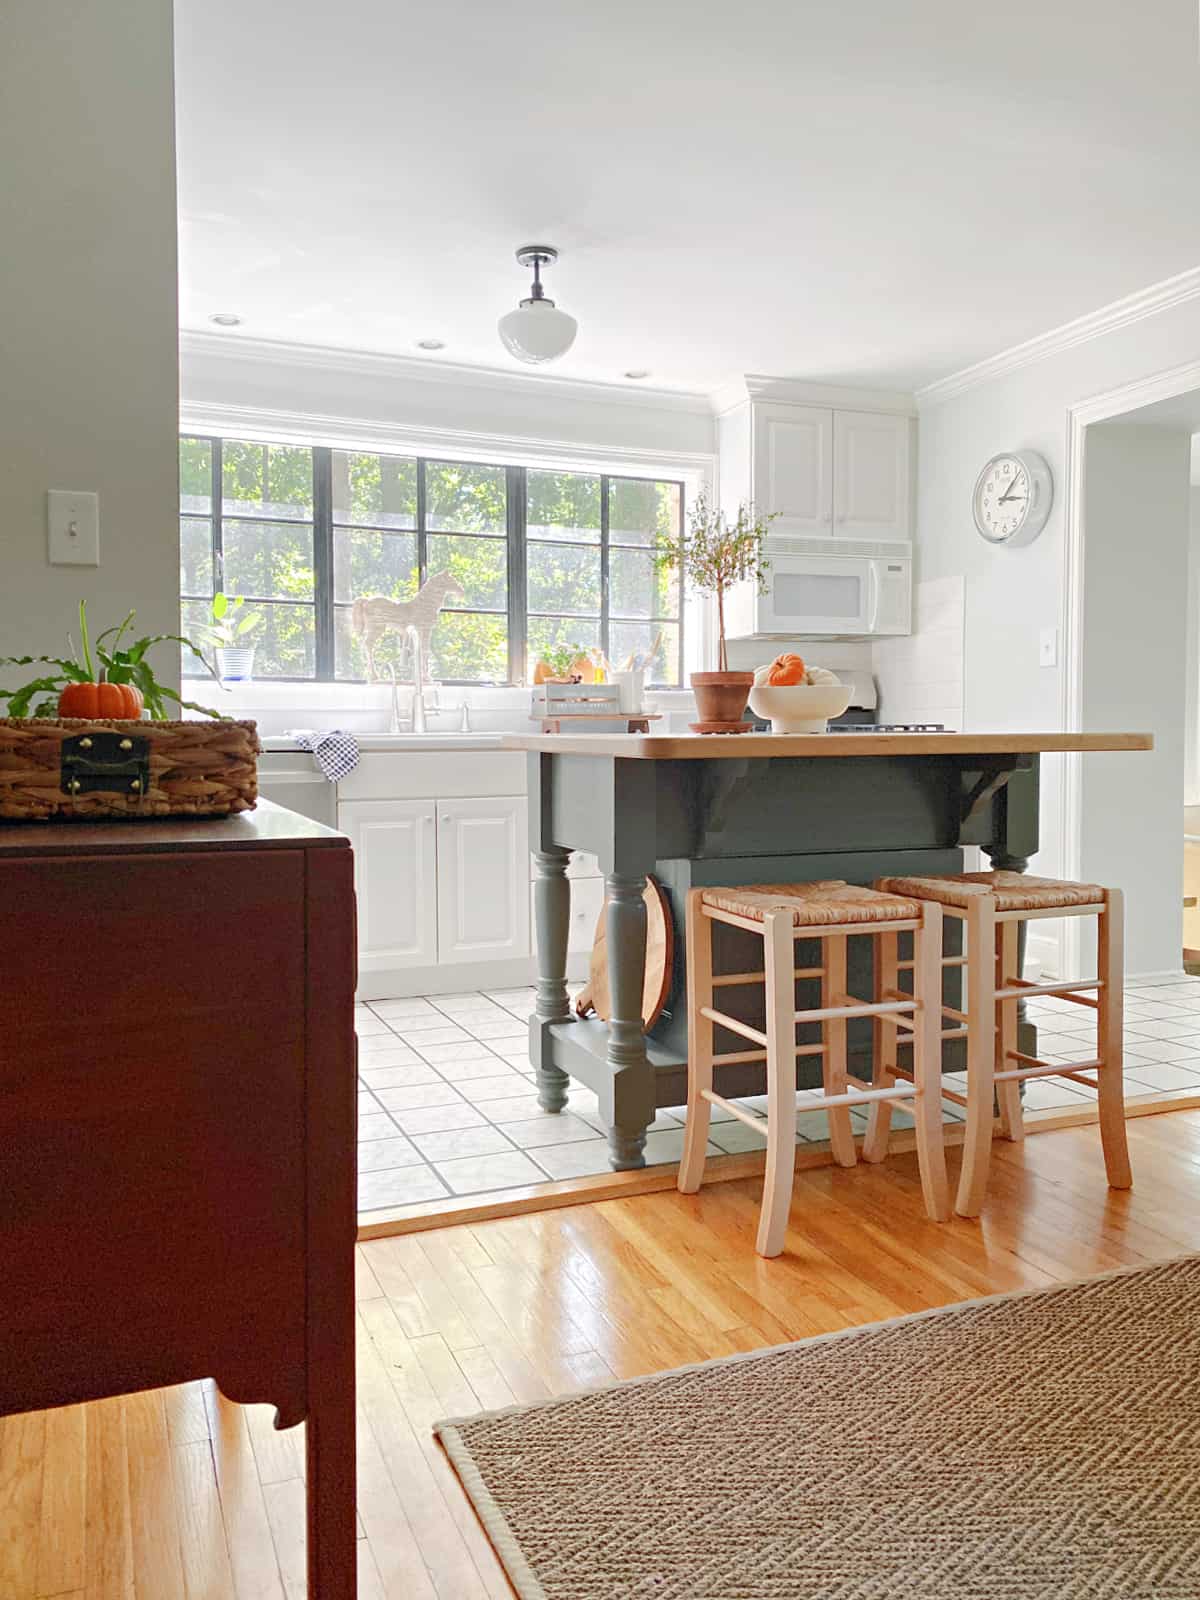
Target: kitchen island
698,811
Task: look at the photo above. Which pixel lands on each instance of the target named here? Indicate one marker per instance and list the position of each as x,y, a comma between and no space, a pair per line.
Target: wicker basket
73,769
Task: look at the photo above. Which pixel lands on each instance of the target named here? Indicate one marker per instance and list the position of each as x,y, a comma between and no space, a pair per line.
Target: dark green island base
696,811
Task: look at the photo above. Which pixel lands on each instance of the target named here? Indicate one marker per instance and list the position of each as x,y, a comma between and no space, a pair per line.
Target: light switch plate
73,528
1048,648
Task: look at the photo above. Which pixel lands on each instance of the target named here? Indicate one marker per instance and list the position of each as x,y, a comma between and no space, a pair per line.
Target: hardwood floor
178,1495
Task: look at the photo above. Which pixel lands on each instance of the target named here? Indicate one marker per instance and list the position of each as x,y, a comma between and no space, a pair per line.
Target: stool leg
879,1118
779,961
981,1055
700,1044
927,1062
1109,1030
833,990
1008,1093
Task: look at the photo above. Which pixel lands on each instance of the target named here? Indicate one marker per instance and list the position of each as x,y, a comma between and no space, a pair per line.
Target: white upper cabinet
483,879
871,487
829,468
793,467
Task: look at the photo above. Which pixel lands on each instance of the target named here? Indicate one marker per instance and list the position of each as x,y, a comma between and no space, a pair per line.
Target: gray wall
1136,515
88,341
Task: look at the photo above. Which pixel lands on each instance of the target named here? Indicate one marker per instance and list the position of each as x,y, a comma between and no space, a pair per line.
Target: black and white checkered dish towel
335,752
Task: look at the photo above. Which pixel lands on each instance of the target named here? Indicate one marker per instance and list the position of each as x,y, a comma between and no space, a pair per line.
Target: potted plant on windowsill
712,555
230,634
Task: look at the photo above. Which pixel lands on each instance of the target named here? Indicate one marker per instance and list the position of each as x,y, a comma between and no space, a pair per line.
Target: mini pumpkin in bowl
795,698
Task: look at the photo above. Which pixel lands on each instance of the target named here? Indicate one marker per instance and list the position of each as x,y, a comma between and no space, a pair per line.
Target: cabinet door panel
793,465
395,874
871,474
483,879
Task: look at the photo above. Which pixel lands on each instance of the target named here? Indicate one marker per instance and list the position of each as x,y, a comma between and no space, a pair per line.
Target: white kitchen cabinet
482,879
793,450
587,901
395,877
831,471
871,489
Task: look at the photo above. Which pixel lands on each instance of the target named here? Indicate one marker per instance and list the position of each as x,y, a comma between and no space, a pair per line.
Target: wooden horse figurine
372,616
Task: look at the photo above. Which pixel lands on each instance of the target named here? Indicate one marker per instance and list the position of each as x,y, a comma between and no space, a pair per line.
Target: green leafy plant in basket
114,660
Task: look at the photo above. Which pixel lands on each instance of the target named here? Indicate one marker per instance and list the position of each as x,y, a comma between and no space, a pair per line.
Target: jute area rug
1043,1444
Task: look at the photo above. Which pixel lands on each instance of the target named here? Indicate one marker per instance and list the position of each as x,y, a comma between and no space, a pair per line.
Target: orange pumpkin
788,669
118,701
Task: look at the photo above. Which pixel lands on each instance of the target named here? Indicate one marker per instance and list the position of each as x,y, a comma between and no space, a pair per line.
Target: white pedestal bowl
799,708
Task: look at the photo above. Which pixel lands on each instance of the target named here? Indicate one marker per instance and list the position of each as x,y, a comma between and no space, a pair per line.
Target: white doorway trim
1099,408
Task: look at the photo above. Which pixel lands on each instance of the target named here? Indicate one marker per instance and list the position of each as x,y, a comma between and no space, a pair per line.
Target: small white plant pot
236,664
799,708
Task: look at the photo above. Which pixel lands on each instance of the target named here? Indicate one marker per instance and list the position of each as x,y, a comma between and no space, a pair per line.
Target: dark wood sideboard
177,1127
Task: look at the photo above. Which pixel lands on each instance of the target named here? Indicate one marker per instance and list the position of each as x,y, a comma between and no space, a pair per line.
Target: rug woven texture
1032,1445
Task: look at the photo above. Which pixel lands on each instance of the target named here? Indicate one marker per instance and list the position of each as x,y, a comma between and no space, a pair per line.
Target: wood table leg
552,921
632,1076
330,1478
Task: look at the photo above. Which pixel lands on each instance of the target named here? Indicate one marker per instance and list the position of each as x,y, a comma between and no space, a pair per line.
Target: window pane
555,633
284,644
273,560
640,513
563,505
195,475
637,588
350,659
468,645
466,499
629,638
478,566
564,577
366,563
193,614
378,490
195,556
266,480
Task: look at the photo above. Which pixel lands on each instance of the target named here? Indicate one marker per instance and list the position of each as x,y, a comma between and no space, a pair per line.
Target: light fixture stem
538,293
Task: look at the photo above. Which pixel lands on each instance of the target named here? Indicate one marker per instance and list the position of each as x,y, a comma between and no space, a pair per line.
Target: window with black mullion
593,577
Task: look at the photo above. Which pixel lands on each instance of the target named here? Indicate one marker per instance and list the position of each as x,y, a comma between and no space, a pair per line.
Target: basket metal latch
118,763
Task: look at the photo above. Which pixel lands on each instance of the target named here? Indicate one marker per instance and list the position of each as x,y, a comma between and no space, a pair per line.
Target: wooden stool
993,905
832,912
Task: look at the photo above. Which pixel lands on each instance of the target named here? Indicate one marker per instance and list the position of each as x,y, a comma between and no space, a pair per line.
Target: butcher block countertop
741,746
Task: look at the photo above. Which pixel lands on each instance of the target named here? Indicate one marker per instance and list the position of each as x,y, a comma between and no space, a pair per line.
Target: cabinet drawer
587,901
434,775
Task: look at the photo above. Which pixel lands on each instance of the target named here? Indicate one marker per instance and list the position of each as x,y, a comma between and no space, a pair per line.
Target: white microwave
831,595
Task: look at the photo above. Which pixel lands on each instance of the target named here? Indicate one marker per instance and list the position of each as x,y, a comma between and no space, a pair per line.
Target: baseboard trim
718,1169
407,983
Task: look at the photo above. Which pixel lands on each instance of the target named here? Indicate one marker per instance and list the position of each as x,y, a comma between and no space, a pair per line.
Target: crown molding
277,353
1149,302
801,392
396,438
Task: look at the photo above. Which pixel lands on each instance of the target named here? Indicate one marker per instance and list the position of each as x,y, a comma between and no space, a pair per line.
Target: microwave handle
873,604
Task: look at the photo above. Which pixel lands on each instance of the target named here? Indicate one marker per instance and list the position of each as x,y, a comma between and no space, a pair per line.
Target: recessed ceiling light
431,344
638,372
226,319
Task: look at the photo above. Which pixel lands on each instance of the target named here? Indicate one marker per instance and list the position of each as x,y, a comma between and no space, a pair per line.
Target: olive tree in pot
712,555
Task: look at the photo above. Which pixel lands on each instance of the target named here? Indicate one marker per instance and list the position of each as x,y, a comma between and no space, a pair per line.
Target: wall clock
1012,497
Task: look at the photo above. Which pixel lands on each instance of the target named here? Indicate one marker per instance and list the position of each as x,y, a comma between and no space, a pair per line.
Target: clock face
1012,498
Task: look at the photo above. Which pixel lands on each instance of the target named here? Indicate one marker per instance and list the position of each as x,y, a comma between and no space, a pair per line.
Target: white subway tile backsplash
920,676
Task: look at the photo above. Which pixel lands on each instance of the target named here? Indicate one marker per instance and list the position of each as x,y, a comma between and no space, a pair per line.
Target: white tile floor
447,1103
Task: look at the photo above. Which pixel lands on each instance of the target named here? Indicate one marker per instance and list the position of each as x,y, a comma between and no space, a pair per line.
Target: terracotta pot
722,696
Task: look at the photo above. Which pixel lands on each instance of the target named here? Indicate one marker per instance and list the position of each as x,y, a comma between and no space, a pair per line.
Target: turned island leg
552,922
632,1077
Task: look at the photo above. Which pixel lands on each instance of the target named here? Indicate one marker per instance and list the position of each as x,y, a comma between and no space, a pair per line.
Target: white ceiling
867,191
